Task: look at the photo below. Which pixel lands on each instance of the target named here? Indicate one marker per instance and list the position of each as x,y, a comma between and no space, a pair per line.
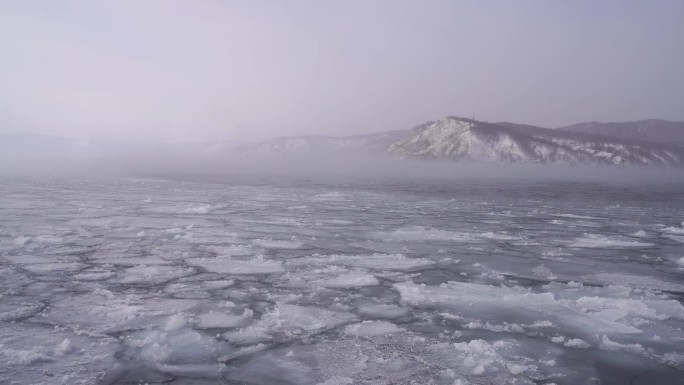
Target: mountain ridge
463,139
651,130
450,138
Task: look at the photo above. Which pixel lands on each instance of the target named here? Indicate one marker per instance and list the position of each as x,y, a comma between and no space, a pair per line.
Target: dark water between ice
264,281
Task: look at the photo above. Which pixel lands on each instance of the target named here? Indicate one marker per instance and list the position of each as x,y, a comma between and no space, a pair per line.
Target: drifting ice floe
633,280
371,328
372,261
516,305
287,321
349,280
214,319
277,244
599,241
236,266
152,275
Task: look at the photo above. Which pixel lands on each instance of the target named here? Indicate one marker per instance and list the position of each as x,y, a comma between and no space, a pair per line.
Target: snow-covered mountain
651,130
450,138
464,139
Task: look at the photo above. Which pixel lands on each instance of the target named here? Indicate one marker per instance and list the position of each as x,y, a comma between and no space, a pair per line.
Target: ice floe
600,241
257,265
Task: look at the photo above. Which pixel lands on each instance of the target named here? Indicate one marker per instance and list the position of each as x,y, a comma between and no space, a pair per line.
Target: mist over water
326,167
126,264
191,268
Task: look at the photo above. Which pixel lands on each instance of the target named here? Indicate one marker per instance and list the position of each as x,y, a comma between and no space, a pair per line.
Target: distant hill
461,139
651,130
464,139
646,143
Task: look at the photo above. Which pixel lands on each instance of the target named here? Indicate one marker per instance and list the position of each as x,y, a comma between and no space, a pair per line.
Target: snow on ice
133,281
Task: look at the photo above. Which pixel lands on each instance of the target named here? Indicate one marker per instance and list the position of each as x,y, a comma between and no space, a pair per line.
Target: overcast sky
248,70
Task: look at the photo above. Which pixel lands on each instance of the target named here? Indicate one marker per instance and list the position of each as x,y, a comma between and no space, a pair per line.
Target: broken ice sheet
584,316
317,284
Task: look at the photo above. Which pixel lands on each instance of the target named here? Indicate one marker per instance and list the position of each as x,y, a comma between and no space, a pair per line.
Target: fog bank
319,167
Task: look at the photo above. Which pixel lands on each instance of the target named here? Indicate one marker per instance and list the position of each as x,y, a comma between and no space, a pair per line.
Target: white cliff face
446,138
462,139
459,140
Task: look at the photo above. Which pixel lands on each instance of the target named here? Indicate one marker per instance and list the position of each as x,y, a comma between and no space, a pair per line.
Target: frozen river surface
167,281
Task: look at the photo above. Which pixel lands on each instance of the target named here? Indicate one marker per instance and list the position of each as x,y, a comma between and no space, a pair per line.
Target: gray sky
248,70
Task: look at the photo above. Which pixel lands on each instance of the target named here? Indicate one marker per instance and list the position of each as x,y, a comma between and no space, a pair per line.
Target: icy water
222,281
